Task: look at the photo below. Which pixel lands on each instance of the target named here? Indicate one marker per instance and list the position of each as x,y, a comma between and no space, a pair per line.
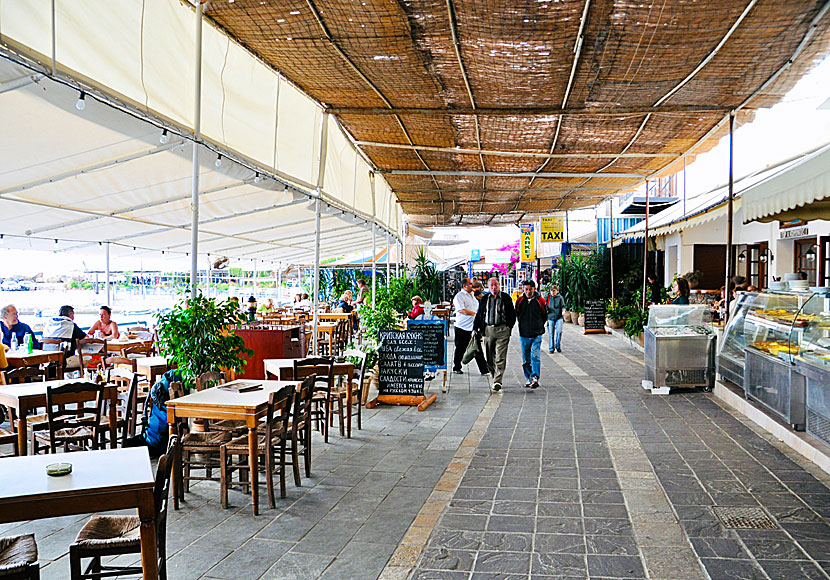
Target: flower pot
581,320
566,315
611,323
640,339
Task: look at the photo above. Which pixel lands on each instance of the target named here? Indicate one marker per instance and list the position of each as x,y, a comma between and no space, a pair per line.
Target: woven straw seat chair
115,535
18,558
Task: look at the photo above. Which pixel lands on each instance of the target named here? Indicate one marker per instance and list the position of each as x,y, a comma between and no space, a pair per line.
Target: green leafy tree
427,280
378,317
196,337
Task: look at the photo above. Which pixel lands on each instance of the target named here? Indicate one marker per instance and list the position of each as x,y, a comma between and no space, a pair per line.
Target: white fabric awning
800,192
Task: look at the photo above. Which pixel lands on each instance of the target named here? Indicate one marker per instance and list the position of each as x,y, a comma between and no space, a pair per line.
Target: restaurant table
21,358
111,479
121,343
151,367
28,396
328,328
283,370
221,403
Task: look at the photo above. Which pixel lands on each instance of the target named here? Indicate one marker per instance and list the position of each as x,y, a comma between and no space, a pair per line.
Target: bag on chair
473,348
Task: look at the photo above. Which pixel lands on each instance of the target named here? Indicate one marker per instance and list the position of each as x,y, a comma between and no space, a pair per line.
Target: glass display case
813,363
769,322
679,343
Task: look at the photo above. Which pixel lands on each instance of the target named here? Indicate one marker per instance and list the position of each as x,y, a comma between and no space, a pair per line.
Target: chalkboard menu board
435,342
595,316
401,363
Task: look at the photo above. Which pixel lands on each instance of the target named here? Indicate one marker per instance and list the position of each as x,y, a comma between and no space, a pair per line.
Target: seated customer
267,306
105,324
63,327
305,302
345,303
681,291
11,325
417,307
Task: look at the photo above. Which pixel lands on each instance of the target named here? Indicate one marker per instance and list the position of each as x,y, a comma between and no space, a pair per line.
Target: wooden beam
498,153
433,173
533,111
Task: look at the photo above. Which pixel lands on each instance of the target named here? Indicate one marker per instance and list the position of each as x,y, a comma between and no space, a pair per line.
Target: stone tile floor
587,477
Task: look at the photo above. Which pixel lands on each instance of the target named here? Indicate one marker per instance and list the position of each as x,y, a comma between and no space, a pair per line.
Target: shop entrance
805,259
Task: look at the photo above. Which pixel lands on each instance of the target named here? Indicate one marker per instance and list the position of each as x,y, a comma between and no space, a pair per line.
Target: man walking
495,319
531,312
466,308
555,306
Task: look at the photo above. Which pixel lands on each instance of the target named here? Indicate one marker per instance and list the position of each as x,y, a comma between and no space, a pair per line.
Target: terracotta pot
566,315
581,320
611,323
640,339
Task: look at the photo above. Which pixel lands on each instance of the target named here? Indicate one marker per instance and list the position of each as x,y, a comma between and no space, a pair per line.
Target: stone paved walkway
587,477
591,477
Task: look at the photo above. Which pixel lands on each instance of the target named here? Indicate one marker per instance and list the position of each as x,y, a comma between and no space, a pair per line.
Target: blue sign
435,342
475,255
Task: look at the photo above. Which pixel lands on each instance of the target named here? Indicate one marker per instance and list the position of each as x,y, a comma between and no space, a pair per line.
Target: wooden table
328,328
151,367
28,396
283,370
218,404
111,479
21,358
120,344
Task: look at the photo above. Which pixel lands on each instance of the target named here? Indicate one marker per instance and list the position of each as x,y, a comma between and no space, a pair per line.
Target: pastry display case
813,362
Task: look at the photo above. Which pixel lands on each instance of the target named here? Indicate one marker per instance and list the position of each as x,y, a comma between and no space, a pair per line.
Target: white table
105,480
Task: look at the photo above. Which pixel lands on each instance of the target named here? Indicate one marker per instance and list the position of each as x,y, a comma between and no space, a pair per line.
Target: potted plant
580,316
614,314
355,353
375,318
635,321
195,337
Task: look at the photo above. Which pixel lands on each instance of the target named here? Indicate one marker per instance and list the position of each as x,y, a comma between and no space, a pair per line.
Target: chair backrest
120,361
321,368
127,397
279,412
33,373
302,403
143,348
176,390
209,379
60,416
361,373
161,492
91,358
65,346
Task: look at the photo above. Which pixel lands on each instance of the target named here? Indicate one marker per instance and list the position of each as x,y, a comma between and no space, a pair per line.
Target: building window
756,269
805,263
824,261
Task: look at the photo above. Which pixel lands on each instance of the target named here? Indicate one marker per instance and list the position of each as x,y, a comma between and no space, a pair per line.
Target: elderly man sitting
12,326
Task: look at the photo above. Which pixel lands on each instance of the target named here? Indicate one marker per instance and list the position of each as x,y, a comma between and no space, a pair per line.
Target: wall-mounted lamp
766,253
811,254
742,256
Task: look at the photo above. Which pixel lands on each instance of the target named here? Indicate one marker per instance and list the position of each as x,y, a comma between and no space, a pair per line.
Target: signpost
475,255
552,229
527,246
595,317
434,345
401,369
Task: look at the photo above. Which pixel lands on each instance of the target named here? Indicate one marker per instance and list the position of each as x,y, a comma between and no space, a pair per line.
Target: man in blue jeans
531,313
555,306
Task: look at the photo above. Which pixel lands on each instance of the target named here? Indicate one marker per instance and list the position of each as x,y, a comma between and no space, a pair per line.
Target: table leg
22,432
149,542
113,415
176,477
253,460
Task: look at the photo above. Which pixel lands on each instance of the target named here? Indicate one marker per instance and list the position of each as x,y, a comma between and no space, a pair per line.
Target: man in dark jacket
531,312
555,306
495,319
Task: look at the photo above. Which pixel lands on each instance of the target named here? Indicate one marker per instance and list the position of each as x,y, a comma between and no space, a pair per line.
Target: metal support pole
197,134
729,216
54,52
143,291
109,285
645,249
684,186
256,275
279,282
611,205
388,261
374,265
314,337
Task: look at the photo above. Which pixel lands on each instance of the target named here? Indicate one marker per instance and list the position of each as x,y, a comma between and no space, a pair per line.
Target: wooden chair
137,350
18,558
357,392
127,412
91,360
28,374
273,437
115,535
76,427
65,346
322,369
9,438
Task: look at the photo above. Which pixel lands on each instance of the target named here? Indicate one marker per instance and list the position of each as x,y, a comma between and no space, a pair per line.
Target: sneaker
497,387
458,371
551,351
528,384
485,373
558,350
534,384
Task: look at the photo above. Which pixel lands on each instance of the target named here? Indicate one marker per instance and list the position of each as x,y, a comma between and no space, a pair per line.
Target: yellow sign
552,229
527,248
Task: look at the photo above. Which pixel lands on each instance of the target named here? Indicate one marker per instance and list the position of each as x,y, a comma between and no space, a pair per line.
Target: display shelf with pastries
813,363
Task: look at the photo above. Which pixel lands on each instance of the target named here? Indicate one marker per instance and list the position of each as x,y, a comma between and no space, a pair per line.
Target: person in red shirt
417,307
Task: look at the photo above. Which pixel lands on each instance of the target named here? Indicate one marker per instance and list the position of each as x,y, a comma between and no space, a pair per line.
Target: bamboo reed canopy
481,112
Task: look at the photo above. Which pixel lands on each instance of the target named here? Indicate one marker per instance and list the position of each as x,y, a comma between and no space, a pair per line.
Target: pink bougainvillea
507,269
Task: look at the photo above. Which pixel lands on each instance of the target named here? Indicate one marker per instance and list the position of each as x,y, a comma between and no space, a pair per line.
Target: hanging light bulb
164,137
218,160
80,104
257,178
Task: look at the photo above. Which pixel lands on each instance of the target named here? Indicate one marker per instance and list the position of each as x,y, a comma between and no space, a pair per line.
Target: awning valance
799,192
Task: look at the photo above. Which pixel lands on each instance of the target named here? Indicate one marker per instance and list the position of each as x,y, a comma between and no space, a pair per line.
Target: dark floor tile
783,570
607,527
503,562
455,540
615,566
559,543
605,510
611,545
462,522
719,548
443,559
779,547
808,531
723,569
510,524
558,565
559,525
567,510
506,541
